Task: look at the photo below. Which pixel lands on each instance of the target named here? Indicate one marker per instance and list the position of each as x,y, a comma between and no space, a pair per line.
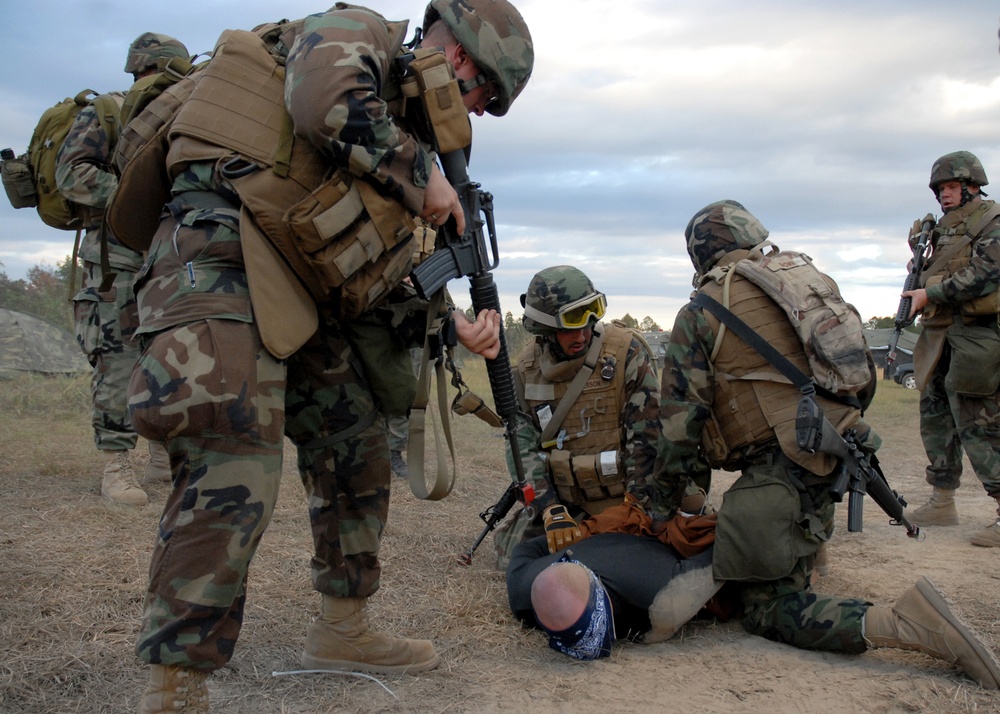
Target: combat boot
989,537
921,620
938,511
339,639
398,464
118,483
175,689
680,600
158,468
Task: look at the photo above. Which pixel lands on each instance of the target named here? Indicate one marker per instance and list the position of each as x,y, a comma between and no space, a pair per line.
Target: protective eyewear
577,315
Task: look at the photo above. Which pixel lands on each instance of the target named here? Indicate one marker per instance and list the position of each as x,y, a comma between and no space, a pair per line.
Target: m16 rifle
921,251
858,472
473,256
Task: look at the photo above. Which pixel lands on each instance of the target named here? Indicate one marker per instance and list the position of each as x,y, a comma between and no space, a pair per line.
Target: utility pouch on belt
585,478
18,181
975,360
758,536
431,77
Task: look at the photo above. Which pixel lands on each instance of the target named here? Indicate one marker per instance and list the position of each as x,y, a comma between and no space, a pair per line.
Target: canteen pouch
758,537
18,182
974,369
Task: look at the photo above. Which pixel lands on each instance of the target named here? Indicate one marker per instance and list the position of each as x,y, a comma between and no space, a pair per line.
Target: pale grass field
73,569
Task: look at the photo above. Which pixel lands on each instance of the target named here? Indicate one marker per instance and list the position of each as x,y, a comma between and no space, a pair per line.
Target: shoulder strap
575,388
796,376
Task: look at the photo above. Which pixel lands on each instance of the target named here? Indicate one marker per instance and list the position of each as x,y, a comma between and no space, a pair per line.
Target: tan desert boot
118,483
938,511
158,468
339,639
179,690
921,620
988,537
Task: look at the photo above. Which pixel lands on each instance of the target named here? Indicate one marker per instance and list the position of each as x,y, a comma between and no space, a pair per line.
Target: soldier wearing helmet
151,51
285,360
106,319
957,352
724,405
588,410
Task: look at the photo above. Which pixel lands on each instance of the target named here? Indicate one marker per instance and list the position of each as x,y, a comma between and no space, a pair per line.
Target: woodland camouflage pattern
786,609
224,406
496,37
151,49
552,289
958,166
952,424
105,322
719,228
640,433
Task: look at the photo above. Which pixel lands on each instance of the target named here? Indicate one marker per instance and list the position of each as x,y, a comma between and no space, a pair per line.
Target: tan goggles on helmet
576,316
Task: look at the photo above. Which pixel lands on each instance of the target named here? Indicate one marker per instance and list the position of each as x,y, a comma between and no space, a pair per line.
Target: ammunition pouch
592,481
430,77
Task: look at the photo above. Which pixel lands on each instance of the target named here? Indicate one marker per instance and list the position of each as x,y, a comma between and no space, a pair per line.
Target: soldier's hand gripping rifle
921,249
857,472
469,255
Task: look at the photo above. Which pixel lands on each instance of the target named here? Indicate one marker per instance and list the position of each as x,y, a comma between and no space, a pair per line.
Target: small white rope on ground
335,671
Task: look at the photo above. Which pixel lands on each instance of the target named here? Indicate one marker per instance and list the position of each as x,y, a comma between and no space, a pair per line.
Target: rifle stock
903,318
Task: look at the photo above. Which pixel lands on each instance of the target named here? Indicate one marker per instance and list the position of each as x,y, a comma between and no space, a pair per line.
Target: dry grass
74,570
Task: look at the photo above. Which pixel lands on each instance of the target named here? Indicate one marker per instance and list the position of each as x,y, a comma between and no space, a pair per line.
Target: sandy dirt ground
73,569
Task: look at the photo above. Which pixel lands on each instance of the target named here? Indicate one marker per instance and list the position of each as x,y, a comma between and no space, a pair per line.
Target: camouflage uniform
221,402
638,424
784,609
951,422
105,321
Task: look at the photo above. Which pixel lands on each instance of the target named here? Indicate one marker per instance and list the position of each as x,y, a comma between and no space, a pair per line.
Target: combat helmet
151,49
719,228
496,37
561,298
961,166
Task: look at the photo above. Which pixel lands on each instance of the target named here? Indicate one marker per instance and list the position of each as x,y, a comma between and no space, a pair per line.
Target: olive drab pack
830,329
148,88
30,179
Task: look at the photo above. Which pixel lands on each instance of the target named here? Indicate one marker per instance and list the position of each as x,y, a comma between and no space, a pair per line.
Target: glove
561,530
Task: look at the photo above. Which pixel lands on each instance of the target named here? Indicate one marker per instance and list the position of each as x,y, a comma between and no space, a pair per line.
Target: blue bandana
592,635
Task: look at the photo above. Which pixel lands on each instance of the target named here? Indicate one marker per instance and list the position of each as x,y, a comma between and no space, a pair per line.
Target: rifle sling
796,376
575,388
444,480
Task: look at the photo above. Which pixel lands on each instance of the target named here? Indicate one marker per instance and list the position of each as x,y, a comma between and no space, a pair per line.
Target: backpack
30,179
148,88
830,329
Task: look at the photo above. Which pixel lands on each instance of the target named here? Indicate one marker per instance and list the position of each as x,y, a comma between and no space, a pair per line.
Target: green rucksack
148,88
30,179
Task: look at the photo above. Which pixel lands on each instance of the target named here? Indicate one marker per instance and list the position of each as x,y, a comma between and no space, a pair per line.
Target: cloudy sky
823,118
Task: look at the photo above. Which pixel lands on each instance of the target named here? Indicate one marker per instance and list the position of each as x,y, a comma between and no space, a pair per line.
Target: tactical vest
754,403
346,243
953,240
589,468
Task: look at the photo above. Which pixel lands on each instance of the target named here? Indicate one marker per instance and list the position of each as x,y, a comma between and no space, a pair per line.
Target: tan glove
561,530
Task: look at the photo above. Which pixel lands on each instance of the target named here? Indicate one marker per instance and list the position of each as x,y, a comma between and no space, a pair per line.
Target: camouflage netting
31,344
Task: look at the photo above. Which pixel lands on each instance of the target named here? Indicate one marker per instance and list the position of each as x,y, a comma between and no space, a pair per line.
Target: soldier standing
106,319
228,369
957,357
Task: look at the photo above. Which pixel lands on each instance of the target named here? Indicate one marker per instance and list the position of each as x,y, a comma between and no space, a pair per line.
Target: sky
822,118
